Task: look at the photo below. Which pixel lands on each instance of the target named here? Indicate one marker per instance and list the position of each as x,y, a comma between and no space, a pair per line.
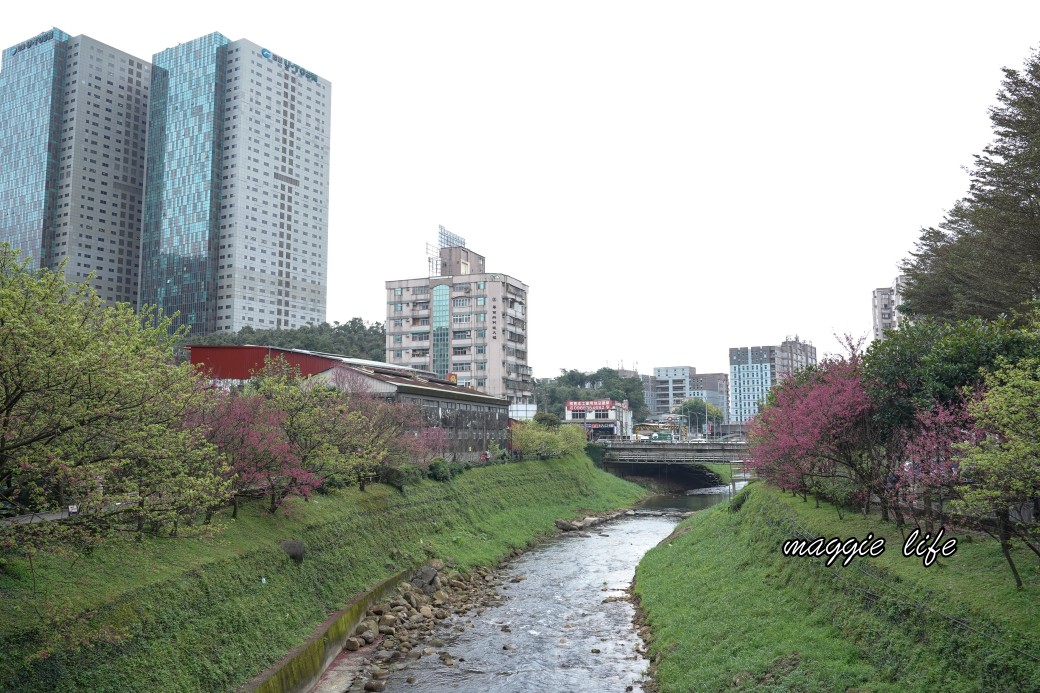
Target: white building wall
275,196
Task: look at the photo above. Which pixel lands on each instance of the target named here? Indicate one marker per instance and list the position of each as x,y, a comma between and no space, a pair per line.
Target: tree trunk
1005,543
234,506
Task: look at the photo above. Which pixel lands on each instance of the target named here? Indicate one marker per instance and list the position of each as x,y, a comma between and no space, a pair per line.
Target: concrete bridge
675,453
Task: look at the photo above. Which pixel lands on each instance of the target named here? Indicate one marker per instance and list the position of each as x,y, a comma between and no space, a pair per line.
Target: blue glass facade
180,232
31,85
440,347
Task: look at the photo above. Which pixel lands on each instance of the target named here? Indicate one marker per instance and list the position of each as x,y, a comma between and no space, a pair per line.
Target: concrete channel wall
299,670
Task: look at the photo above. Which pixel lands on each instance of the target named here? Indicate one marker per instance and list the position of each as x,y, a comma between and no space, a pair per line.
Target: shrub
441,470
401,475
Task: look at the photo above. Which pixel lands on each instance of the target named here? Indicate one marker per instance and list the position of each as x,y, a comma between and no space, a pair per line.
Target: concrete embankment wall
298,671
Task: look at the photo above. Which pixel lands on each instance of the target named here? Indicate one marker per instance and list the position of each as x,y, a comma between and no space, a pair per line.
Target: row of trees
355,338
96,413
935,424
605,383
983,259
940,417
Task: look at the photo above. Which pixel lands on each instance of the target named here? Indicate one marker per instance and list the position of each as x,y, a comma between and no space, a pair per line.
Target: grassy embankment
723,469
730,612
190,614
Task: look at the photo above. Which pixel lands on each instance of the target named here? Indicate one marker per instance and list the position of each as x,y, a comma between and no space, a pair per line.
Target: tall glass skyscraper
199,184
236,211
73,114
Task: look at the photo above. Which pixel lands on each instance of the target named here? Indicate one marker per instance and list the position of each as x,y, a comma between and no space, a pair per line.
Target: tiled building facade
466,324
73,115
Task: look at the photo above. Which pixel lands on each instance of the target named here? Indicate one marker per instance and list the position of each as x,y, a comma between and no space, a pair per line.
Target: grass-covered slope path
728,611
207,615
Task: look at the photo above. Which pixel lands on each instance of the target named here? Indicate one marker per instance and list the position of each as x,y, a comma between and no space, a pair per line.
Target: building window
577,415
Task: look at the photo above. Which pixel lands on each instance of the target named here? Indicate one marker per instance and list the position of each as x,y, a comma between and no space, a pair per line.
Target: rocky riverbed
437,602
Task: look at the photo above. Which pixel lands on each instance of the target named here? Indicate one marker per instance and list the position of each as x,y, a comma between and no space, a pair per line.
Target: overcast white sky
670,178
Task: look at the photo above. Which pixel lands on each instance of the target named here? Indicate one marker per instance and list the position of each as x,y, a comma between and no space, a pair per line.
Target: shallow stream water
565,625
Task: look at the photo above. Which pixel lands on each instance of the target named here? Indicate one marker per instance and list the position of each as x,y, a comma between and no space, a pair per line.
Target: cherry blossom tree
250,432
929,476
819,426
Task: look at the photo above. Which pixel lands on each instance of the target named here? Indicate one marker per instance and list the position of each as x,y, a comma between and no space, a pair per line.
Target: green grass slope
729,612
190,614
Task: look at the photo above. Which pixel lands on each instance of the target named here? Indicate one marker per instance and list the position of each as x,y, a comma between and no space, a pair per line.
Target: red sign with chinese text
589,404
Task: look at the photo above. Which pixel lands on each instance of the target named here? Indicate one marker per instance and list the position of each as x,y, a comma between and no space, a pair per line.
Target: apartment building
754,370
464,324
884,304
73,118
235,229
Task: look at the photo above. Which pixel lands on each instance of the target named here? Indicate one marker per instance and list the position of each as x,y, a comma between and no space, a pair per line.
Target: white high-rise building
237,188
884,305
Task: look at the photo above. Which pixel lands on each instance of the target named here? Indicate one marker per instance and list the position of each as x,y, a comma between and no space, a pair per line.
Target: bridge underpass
673,465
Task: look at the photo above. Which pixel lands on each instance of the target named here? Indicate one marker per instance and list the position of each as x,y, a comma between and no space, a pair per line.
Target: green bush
441,470
401,475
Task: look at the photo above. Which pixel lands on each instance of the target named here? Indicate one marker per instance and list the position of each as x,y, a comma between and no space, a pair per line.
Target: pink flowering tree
928,477
818,433
428,443
250,431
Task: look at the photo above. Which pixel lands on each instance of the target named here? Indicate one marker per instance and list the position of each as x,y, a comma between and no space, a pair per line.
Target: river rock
375,685
353,644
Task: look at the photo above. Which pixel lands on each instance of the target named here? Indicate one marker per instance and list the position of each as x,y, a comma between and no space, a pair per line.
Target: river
564,625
